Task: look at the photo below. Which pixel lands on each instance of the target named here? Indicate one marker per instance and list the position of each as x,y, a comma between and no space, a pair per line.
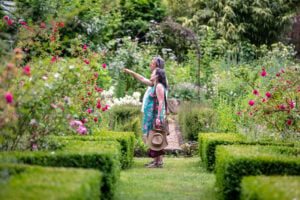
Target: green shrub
270,187
126,140
209,141
32,182
235,161
195,118
100,155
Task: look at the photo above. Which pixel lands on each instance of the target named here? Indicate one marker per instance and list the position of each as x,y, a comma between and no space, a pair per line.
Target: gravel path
175,138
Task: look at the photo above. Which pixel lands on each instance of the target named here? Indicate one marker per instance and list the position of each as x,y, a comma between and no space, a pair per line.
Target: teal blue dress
148,111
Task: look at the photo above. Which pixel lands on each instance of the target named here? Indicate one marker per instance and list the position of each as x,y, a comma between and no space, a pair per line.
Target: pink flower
53,106
99,106
53,59
278,74
289,122
84,46
256,92
34,146
239,113
104,66
52,38
81,129
298,90
9,66
54,30
96,75
9,22
251,113
95,119
263,100
61,24
75,122
21,83
26,70
292,105
281,79
9,98
282,107
268,94
282,71
86,62
43,25
288,82
251,103
89,93
23,23
6,17
264,73
99,90
89,110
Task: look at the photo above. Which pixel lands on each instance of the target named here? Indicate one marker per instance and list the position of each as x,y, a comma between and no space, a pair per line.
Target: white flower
71,67
32,121
56,75
44,77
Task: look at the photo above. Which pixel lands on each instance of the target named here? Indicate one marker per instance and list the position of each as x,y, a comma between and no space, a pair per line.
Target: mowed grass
181,178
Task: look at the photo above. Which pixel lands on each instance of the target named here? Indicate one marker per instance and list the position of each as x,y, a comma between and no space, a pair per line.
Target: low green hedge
102,155
126,140
233,162
209,141
270,187
35,183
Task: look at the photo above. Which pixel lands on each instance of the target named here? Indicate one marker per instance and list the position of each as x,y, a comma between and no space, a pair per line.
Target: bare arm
139,77
160,97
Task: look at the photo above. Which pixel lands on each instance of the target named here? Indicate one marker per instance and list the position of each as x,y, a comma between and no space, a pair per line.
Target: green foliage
195,118
28,182
226,115
100,155
126,140
235,162
270,187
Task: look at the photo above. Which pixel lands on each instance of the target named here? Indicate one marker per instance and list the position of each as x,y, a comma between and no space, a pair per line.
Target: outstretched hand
128,71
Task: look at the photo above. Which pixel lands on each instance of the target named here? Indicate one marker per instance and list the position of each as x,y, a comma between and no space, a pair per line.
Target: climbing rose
9,22
288,82
99,106
84,46
21,83
99,90
62,24
86,62
89,93
6,17
268,94
291,104
278,74
95,119
251,102
251,113
96,75
255,92
104,66
53,59
282,71
26,70
23,23
289,122
43,25
52,38
298,90
264,73
34,146
238,113
89,110
9,98
263,100
282,107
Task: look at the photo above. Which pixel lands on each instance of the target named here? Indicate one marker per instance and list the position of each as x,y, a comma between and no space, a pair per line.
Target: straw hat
157,140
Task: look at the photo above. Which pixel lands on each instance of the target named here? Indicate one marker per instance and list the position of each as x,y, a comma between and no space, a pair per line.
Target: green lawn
181,178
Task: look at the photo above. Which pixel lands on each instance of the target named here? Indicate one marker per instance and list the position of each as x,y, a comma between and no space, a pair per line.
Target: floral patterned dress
148,111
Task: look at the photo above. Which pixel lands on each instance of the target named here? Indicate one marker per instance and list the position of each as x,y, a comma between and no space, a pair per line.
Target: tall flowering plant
273,101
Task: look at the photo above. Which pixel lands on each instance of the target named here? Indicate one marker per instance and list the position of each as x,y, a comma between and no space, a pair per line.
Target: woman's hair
161,77
160,63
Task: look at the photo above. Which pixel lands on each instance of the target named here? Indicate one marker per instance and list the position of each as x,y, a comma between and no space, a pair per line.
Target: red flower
98,101
99,106
99,90
239,113
6,17
95,119
9,22
52,38
282,107
23,23
86,62
278,74
255,92
9,98
53,59
282,71
264,73
96,75
89,111
54,30
251,102
251,113
21,83
268,94
84,46
89,93
61,24
298,90
61,108
103,109
289,122
263,100
104,66
43,25
288,82
26,70
292,105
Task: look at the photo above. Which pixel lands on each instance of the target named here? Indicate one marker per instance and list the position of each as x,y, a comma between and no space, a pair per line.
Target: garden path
175,137
181,178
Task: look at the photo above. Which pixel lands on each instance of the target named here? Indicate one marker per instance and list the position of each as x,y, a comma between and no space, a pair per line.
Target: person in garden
156,64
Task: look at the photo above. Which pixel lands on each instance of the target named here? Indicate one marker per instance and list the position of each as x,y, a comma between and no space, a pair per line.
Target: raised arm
139,77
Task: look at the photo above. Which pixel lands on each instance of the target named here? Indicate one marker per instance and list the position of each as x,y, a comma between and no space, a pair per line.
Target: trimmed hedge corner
270,187
209,141
126,140
233,162
102,155
32,182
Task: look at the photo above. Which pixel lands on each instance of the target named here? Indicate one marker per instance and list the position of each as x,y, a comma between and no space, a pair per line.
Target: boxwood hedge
102,155
126,140
233,162
209,141
270,187
35,183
